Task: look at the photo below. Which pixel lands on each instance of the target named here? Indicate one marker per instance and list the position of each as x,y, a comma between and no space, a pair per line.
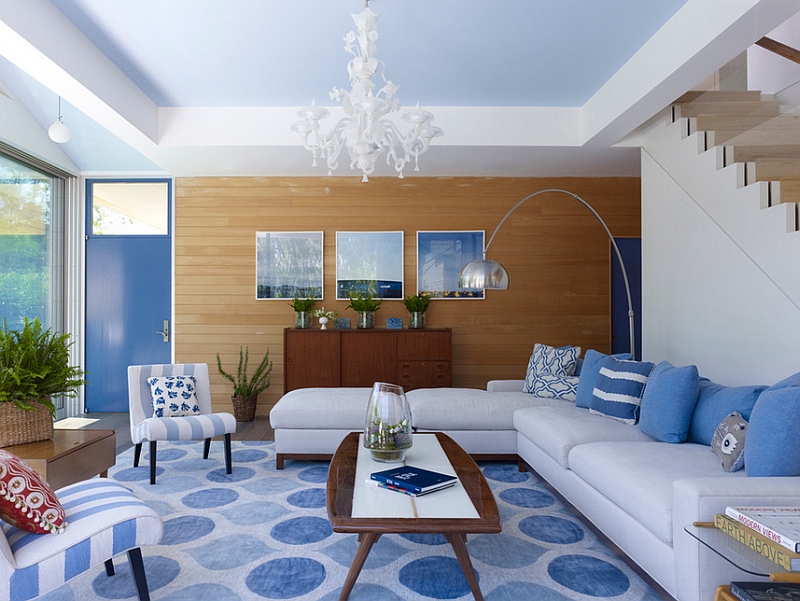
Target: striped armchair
103,518
144,426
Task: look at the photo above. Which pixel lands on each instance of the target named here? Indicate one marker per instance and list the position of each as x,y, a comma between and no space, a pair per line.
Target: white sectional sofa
639,492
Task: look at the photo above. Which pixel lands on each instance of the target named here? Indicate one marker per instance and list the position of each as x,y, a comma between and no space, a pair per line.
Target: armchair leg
206,447
228,466
153,448
139,577
137,453
109,567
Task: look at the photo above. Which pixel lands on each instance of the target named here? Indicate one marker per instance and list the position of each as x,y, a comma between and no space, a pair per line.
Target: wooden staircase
753,129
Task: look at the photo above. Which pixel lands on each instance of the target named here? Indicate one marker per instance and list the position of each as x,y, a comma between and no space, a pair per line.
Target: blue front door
128,285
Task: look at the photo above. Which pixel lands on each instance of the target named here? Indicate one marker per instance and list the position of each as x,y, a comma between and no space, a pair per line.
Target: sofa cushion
714,402
590,368
773,445
668,402
729,441
321,409
469,408
557,429
550,360
639,476
619,388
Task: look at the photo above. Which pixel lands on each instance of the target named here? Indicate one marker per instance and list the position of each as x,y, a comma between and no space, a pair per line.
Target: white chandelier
365,131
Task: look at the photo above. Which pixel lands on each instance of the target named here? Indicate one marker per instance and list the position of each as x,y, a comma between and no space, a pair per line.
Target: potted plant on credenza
247,388
34,367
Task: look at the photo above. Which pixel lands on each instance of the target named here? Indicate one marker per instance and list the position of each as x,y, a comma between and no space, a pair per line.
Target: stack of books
411,480
773,533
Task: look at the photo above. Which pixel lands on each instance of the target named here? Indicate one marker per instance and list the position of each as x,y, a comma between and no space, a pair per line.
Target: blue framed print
369,263
289,265
440,257
394,323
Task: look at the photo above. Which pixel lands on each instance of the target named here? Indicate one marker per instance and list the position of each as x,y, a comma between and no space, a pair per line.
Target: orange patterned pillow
26,500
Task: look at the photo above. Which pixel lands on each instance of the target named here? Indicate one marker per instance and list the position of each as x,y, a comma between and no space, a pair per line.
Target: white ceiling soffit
701,37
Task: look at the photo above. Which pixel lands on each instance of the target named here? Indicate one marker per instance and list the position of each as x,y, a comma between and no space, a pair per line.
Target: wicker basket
244,408
18,426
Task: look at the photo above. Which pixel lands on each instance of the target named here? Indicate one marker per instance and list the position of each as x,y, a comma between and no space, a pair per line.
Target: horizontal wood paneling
556,253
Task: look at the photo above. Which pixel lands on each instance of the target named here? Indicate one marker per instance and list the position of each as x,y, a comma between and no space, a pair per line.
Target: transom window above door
130,208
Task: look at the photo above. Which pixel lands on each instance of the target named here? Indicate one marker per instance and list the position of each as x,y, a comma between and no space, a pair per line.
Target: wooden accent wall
556,253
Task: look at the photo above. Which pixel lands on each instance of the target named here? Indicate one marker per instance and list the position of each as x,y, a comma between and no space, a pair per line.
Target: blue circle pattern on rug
588,575
301,531
262,533
210,497
437,577
286,578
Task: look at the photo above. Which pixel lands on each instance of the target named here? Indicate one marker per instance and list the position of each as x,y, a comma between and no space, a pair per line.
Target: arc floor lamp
486,273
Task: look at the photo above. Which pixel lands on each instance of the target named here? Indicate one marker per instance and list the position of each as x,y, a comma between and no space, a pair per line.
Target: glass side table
739,555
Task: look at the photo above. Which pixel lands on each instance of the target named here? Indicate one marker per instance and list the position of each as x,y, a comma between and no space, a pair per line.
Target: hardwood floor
258,429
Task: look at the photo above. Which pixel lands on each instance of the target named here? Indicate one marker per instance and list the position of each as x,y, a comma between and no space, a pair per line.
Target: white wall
718,271
768,72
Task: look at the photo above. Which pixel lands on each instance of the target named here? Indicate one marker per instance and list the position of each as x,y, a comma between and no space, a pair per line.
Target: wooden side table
70,456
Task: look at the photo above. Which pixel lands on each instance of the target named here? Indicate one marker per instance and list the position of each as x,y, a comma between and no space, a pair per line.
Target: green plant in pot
34,367
247,388
416,306
302,312
365,306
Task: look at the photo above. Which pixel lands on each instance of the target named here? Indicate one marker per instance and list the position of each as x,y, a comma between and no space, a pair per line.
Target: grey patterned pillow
728,441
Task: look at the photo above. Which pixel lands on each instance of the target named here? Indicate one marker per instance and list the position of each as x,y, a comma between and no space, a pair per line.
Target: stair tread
743,153
763,107
700,96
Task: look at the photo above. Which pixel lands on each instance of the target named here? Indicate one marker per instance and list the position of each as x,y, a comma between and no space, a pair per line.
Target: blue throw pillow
619,389
773,444
589,370
668,402
714,402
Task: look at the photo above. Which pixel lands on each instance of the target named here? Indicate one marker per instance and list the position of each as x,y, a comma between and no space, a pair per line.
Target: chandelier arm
610,237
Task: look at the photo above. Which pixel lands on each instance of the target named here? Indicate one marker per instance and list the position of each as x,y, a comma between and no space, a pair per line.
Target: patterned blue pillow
549,386
553,361
619,388
173,396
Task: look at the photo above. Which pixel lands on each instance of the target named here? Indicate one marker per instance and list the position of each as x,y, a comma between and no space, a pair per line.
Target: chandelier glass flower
366,132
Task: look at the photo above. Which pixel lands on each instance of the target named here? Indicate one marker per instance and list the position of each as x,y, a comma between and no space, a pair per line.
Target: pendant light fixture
58,131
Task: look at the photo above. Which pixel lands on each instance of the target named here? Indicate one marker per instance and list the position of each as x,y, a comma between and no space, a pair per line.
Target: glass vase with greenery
417,305
366,306
302,312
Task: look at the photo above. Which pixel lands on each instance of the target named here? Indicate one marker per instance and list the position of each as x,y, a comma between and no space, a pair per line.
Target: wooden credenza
411,358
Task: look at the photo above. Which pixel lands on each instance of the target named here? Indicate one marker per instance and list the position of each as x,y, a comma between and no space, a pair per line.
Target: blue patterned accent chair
103,519
204,426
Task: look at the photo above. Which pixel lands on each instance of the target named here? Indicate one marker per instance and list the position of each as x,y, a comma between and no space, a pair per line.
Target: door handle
165,331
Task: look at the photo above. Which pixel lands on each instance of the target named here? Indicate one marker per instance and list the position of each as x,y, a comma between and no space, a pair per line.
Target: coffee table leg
456,540
364,547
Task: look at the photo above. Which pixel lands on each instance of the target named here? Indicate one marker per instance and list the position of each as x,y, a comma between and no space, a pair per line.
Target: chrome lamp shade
484,273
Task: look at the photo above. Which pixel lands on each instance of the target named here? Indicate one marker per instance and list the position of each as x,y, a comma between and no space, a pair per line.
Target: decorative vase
244,407
323,323
20,426
416,320
302,320
366,320
387,430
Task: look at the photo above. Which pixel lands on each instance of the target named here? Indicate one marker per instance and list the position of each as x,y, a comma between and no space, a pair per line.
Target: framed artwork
369,263
440,258
288,265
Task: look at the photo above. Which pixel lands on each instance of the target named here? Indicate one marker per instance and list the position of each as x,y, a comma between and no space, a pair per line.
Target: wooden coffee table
379,511
70,456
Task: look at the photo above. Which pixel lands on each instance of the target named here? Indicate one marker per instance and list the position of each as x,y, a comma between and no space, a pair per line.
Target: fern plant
34,366
244,385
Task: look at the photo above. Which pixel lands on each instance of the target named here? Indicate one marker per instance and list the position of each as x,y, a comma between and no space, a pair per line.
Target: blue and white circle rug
260,534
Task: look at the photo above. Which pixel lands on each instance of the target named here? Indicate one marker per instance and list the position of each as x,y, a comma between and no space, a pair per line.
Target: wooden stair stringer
742,212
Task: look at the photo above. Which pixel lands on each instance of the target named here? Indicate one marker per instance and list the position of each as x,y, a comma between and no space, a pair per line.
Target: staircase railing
780,49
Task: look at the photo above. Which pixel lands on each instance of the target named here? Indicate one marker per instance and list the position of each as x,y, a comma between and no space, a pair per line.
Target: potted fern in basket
34,367
246,388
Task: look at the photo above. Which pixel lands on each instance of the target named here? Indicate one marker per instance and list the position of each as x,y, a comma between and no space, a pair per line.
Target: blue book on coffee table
414,479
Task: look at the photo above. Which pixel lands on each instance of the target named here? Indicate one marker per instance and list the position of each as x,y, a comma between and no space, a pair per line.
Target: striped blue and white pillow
619,388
